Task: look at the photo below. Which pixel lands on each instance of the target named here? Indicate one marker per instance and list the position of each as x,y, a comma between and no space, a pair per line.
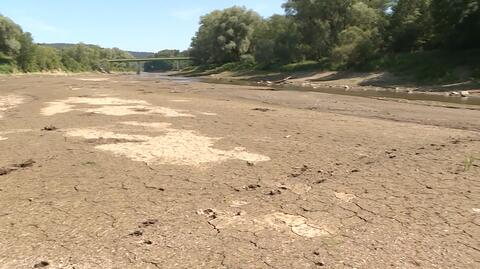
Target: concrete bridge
139,61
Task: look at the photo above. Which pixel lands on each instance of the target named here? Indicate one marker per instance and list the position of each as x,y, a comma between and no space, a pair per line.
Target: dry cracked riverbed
125,172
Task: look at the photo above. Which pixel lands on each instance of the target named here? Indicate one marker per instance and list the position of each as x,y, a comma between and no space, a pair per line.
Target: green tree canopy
10,35
225,35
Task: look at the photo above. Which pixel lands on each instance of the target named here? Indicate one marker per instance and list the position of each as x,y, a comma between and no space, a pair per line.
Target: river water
368,93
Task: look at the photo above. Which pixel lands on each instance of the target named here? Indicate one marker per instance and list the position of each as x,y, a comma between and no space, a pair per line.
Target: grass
6,68
433,66
300,66
469,162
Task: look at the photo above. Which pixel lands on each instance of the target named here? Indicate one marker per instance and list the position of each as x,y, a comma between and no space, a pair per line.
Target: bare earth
124,172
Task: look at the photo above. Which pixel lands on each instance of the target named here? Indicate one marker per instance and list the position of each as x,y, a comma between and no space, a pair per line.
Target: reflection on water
368,93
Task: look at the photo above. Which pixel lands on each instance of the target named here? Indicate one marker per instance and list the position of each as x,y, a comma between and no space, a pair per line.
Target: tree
225,35
161,65
355,47
277,40
457,23
26,60
362,39
328,25
320,23
411,25
10,34
47,59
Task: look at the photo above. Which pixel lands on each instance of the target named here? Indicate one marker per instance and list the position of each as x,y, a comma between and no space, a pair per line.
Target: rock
346,87
210,213
454,94
49,128
464,93
136,233
262,109
274,192
149,222
252,187
41,264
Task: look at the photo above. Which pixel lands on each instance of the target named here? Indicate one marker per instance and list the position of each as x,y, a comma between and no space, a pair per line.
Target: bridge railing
151,59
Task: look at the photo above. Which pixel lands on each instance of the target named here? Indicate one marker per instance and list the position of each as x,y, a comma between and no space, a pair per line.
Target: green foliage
5,68
435,66
302,66
320,23
457,23
26,58
225,35
18,51
277,40
47,59
355,46
348,34
166,65
10,34
432,39
411,25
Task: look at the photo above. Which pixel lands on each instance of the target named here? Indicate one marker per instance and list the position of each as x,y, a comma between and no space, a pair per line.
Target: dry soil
131,172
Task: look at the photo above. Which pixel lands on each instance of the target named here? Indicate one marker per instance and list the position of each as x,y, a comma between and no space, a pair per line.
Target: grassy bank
423,68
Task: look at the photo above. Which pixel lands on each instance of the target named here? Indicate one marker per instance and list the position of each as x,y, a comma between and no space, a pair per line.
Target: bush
356,46
5,68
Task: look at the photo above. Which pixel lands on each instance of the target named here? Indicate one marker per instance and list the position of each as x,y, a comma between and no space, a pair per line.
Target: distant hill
136,54
62,45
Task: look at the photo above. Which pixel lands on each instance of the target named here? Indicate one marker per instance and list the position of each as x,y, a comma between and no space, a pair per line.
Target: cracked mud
137,172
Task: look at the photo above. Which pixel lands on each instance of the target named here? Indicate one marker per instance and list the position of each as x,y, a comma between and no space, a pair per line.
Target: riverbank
437,72
343,80
128,171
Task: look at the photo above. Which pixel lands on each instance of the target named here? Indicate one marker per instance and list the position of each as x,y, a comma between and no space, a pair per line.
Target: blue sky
141,25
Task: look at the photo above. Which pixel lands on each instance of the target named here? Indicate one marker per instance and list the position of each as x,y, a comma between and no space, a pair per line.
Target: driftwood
282,80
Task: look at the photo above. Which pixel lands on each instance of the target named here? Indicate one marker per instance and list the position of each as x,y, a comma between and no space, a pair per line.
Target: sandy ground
124,172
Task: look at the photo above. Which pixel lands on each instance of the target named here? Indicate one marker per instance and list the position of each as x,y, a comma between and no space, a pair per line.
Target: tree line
340,33
160,66
18,52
